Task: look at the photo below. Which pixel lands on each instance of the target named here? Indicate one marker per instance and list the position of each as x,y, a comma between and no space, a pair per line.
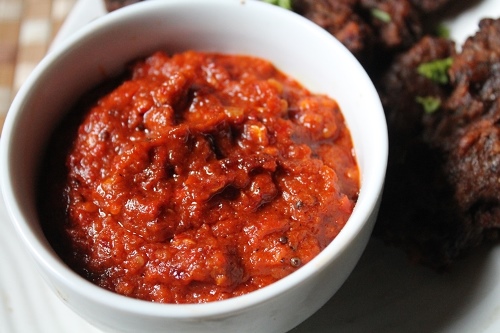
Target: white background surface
385,293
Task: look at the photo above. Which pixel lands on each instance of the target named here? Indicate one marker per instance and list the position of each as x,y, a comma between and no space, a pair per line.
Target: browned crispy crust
368,36
468,129
443,183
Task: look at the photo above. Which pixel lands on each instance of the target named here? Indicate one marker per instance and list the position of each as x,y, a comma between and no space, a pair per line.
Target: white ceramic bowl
296,46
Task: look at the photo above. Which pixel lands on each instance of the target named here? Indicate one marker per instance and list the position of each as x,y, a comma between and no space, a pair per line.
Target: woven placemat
27,28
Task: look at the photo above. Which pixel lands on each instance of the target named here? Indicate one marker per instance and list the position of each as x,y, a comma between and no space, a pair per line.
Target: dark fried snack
441,197
341,19
372,30
396,23
468,129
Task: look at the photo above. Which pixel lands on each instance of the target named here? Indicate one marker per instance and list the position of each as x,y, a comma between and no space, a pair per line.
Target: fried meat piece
395,22
418,212
468,128
442,195
370,29
339,17
402,84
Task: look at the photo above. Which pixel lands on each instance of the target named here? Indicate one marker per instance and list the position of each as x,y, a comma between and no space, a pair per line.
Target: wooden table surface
27,27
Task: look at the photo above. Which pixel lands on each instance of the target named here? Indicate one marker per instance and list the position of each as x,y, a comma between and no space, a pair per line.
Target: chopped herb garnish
287,4
442,31
436,70
430,103
381,15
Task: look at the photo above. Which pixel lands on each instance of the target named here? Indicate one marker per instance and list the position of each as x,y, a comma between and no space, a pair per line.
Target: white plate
384,294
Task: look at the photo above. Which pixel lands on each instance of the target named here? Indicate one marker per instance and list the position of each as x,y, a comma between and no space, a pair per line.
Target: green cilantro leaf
436,70
287,4
443,31
430,103
381,15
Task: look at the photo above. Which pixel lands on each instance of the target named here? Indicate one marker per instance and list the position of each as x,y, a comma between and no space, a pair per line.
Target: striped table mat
27,28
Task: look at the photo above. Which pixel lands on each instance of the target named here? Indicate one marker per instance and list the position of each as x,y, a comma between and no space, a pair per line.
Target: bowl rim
47,258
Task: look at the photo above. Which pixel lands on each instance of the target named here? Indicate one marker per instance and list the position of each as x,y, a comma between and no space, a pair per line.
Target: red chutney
203,177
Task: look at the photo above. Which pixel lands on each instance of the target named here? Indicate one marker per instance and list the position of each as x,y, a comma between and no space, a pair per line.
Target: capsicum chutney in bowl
260,157
199,177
